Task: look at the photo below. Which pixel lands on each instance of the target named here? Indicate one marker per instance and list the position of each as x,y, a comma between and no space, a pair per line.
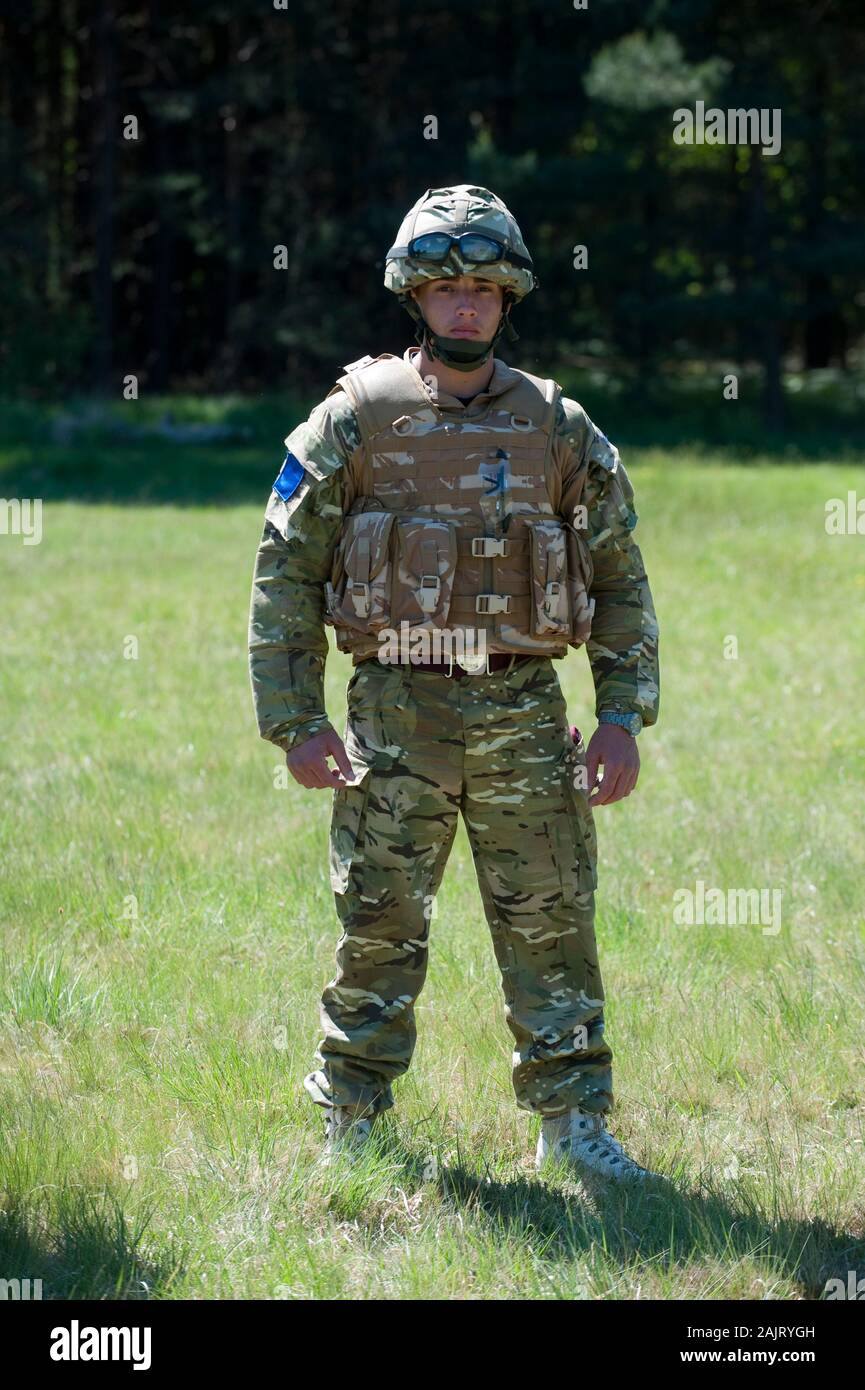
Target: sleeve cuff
301,734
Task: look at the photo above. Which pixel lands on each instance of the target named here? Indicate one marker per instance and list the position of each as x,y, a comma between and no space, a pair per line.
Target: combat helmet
466,212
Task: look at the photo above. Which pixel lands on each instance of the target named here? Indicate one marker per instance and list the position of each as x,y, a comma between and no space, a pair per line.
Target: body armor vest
453,527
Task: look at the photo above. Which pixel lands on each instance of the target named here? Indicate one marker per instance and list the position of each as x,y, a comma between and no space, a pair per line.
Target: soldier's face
462,307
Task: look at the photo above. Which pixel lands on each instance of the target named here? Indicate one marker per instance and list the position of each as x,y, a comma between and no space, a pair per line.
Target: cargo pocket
426,559
581,572
577,779
575,842
358,594
549,569
375,701
348,823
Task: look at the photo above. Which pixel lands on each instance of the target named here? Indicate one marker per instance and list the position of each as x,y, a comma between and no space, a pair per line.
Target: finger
336,748
618,791
610,789
315,773
594,773
593,758
634,773
323,775
298,768
335,779
605,784
626,783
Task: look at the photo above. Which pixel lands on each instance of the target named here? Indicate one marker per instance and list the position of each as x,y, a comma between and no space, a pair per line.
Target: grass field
168,926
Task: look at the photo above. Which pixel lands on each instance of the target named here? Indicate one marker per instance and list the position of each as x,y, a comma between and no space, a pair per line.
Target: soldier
445,494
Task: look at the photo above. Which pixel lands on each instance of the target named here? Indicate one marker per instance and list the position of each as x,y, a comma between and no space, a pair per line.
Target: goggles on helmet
474,247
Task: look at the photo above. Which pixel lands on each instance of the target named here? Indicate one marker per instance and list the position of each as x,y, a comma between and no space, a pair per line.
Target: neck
452,382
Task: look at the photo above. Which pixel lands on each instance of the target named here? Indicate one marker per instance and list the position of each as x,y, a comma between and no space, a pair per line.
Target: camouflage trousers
498,749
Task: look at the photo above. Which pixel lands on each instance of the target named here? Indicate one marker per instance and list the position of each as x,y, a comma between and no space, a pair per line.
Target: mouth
464,332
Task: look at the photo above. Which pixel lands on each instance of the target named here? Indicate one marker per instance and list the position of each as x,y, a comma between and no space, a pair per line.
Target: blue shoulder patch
289,477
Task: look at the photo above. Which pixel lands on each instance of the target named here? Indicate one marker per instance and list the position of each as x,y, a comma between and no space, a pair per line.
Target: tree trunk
105,160
768,331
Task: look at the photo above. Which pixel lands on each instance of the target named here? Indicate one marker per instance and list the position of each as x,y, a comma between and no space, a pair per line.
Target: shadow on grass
87,1248
657,1221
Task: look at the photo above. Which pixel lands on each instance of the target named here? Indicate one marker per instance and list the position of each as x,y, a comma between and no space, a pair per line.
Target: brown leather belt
496,661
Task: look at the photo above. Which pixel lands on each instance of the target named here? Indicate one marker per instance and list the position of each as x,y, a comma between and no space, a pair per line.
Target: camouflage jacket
287,638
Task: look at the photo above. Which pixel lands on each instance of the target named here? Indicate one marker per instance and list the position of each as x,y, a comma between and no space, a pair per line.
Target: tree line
202,195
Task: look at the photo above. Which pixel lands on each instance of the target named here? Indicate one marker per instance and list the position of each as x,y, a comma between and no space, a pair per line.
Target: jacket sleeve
287,640
623,646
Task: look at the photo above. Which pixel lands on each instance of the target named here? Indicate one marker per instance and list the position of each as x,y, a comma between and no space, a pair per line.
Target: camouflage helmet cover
461,208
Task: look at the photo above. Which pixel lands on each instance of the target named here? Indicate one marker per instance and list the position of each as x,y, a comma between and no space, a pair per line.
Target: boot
581,1140
344,1132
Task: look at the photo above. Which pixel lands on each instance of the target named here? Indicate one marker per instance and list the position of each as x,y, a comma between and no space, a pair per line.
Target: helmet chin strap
461,354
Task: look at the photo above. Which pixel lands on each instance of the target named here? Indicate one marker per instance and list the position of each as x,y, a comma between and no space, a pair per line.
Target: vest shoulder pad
536,397
383,388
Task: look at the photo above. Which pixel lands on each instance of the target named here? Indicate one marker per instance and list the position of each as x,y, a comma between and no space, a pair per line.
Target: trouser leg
533,844
390,839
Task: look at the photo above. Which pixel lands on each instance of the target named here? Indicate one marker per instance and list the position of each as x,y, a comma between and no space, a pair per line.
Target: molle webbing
453,523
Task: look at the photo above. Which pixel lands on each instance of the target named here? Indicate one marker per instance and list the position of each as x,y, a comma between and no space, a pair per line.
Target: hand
617,750
308,763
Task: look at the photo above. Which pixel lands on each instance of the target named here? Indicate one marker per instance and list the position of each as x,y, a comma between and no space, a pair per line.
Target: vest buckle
552,593
493,603
428,592
485,547
359,591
